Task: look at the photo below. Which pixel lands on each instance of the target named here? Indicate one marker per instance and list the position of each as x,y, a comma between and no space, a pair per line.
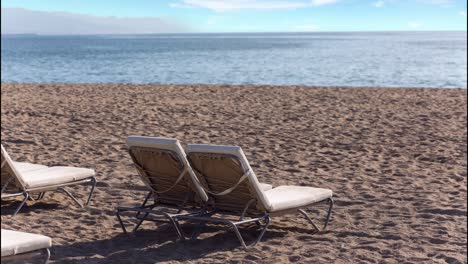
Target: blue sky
274,15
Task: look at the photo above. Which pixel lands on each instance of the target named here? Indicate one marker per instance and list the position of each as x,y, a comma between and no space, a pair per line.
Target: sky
155,16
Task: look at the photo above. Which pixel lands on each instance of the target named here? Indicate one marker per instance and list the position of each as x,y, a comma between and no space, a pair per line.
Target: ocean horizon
435,59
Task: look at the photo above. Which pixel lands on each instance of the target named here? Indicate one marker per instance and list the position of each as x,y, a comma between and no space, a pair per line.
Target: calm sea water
410,59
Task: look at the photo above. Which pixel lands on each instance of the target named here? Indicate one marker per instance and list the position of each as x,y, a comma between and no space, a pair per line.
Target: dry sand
395,159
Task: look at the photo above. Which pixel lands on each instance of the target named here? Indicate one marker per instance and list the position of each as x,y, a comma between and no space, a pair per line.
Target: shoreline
395,159
239,85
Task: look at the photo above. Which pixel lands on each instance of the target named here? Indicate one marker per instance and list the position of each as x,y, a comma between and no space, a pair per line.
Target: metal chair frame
27,193
242,221
145,212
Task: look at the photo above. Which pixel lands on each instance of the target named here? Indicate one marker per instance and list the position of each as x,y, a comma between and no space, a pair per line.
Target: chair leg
139,222
93,185
41,196
267,224
137,215
329,213
48,257
144,204
176,226
196,229
122,225
26,197
71,196
172,220
239,236
331,202
260,236
121,222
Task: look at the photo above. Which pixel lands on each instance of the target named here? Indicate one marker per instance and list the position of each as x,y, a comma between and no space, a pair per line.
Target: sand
395,159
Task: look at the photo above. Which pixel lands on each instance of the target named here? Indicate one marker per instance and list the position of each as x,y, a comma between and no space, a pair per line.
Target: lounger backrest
163,167
9,173
227,175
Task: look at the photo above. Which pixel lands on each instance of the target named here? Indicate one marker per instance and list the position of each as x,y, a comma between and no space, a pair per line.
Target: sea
390,59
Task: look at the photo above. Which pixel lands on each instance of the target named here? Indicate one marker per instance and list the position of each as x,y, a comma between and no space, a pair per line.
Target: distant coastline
318,32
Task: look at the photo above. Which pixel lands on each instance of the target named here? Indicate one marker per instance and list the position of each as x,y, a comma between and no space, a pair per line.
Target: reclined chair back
11,180
163,167
225,174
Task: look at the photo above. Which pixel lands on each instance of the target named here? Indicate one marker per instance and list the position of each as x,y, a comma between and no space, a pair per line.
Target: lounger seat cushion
55,175
14,242
24,166
290,197
265,186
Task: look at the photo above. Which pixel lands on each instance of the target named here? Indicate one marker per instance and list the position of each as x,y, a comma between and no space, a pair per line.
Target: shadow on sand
9,207
153,246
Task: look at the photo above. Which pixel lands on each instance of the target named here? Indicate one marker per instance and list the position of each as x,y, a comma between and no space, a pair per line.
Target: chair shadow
154,246
10,206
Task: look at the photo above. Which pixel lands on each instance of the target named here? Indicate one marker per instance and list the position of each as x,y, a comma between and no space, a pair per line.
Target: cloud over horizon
25,21
232,5
379,4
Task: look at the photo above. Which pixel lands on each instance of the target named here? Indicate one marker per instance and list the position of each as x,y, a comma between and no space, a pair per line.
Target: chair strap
227,191
144,175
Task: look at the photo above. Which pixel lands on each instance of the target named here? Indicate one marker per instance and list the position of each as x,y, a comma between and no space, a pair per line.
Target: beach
395,159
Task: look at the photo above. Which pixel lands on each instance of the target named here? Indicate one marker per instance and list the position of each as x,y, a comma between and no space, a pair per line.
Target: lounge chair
226,176
20,247
163,167
26,179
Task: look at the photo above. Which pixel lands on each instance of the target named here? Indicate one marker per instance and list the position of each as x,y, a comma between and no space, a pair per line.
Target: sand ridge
395,159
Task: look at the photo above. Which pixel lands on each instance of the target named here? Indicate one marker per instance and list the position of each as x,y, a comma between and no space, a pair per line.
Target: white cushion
14,242
290,197
24,166
265,186
167,144
55,175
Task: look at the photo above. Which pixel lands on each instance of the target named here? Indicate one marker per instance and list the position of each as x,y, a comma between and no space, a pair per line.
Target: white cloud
180,5
24,21
443,3
440,2
232,5
307,28
463,13
379,4
415,24
323,2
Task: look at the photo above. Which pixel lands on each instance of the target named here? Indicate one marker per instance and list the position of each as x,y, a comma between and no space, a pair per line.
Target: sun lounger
20,247
162,166
226,176
26,179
